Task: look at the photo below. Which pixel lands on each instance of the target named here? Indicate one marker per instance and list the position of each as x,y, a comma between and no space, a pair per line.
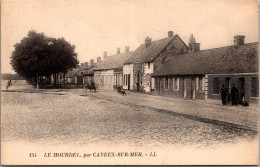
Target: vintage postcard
129,82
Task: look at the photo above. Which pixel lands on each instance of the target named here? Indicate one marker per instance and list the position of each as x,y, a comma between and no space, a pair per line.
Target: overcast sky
98,26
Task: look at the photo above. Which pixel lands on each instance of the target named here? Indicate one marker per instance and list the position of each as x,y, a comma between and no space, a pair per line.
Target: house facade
108,74
138,69
88,73
75,76
200,74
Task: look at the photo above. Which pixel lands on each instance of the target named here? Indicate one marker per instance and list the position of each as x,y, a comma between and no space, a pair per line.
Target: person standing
234,93
8,84
223,92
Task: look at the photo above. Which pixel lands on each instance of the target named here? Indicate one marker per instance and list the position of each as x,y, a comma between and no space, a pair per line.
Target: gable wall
175,47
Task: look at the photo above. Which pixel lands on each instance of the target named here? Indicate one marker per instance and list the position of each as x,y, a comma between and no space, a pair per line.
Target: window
215,85
141,79
156,83
175,83
166,83
135,78
148,79
200,83
254,87
148,65
162,81
124,79
228,84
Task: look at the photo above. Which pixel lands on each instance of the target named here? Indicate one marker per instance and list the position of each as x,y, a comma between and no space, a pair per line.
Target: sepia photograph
129,82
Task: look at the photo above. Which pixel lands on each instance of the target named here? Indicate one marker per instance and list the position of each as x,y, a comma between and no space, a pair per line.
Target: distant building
200,74
108,72
88,73
69,76
138,69
75,76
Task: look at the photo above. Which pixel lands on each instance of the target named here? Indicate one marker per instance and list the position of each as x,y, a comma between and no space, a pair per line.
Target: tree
37,55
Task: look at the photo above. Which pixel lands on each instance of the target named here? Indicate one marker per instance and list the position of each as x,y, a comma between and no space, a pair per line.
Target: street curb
192,117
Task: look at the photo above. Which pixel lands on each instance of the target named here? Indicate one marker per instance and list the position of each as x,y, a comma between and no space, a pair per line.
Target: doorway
128,81
138,82
241,90
228,86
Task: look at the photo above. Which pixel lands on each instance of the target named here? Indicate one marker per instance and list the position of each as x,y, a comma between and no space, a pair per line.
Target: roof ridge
227,46
188,53
165,38
229,59
119,54
153,49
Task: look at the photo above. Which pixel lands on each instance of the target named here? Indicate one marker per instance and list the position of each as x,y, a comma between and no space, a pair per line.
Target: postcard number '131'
32,155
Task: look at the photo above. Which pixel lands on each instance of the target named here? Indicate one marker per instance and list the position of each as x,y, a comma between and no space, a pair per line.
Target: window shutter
197,83
203,83
173,83
178,83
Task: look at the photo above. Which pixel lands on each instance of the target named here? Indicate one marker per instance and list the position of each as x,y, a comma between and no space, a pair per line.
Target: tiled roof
88,70
225,60
143,53
112,62
70,73
78,71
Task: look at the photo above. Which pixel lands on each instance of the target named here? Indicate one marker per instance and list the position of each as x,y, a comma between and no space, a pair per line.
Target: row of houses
82,74
169,67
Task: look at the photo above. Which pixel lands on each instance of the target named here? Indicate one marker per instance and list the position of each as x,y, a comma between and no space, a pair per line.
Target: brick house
200,74
108,73
138,69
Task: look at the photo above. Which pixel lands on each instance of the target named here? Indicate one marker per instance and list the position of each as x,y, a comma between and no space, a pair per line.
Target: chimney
127,49
239,40
105,55
170,33
196,47
98,59
91,62
193,46
148,41
86,64
118,50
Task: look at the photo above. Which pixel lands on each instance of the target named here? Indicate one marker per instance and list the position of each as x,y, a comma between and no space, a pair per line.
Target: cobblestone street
74,116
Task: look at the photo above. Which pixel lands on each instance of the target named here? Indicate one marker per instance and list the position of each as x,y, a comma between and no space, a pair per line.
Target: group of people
234,95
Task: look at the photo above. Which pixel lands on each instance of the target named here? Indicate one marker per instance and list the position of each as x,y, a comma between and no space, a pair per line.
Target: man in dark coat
223,92
92,85
234,94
